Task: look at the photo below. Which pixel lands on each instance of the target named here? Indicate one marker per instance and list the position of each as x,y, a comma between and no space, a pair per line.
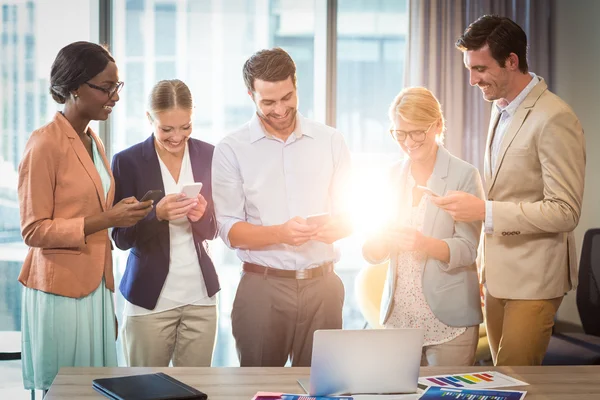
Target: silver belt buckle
302,274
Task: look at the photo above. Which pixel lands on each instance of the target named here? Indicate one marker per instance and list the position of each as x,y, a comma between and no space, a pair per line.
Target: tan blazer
537,191
59,186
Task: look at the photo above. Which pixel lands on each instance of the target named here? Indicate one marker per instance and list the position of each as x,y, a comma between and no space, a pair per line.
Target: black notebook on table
146,387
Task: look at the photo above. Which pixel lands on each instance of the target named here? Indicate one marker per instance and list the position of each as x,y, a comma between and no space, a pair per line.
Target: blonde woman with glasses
432,279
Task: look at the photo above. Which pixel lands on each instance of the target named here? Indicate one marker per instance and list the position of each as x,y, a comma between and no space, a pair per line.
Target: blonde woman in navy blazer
432,279
170,283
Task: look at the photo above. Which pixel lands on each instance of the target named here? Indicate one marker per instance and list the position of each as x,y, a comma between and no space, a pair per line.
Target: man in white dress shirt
534,175
268,177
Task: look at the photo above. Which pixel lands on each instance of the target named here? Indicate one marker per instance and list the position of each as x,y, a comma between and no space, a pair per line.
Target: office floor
11,384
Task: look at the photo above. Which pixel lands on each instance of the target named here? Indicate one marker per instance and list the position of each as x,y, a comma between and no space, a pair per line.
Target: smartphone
318,219
155,195
429,191
192,190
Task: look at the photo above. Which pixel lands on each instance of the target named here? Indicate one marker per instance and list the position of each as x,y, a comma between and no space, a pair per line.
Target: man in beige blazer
534,177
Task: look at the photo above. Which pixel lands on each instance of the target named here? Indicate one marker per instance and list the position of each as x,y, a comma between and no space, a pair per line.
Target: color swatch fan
479,380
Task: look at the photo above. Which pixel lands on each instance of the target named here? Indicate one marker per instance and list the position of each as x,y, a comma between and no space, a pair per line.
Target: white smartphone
191,190
318,219
429,191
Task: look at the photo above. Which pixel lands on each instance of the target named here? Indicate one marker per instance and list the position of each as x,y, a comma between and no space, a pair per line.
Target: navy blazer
137,170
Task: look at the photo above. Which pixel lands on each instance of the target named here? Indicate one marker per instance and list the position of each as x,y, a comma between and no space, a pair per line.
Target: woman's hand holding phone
198,211
128,212
174,206
403,238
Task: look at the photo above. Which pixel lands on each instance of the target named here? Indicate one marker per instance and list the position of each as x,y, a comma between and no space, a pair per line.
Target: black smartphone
155,195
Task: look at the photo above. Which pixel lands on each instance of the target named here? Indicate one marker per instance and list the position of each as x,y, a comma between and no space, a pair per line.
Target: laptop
366,361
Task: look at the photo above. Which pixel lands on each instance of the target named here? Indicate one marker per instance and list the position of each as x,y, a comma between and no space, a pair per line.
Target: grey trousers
275,318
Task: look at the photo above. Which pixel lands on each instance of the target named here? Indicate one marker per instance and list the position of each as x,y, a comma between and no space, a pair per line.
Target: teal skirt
61,331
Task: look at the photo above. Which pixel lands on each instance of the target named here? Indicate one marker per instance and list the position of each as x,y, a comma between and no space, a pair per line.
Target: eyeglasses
111,91
415,136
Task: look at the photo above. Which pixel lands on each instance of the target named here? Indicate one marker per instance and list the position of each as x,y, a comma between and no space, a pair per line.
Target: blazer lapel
487,164
84,156
515,125
398,178
154,174
154,179
437,183
111,190
197,161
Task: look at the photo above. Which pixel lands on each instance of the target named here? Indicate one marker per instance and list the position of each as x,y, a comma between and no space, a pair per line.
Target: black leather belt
310,273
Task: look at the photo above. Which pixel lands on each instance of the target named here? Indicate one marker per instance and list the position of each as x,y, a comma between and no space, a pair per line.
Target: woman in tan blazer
66,191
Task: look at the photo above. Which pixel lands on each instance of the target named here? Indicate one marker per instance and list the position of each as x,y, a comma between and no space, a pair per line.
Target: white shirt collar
257,130
511,108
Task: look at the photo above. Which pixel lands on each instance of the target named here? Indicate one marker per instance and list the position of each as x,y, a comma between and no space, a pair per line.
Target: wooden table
547,383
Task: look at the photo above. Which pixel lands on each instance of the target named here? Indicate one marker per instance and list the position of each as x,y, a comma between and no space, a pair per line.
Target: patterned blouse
410,309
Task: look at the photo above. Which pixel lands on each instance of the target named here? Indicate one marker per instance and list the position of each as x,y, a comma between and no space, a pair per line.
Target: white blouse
410,308
184,284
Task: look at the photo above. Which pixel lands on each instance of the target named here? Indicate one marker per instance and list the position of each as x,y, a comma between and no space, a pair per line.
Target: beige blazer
537,191
58,187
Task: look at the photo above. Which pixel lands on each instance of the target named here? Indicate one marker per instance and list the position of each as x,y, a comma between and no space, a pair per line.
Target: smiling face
419,152
96,103
276,105
172,129
487,74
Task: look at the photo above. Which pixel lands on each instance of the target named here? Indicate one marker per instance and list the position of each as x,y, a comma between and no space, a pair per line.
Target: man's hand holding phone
330,229
296,232
429,191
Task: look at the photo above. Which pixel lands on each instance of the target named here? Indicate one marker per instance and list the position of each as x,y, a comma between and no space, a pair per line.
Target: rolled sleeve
228,191
225,227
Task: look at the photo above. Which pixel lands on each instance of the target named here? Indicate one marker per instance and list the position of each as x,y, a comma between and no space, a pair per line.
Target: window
29,40
371,37
370,69
204,44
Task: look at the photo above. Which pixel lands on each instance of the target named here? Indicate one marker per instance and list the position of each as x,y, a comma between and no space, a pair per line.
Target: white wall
576,79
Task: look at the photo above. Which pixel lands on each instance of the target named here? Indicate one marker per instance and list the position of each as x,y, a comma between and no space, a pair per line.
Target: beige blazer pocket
61,251
517,151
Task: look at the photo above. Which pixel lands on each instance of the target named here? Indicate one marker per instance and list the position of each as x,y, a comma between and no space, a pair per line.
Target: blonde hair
169,94
417,105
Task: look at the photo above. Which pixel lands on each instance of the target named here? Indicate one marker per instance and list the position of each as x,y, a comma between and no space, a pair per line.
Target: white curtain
433,61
